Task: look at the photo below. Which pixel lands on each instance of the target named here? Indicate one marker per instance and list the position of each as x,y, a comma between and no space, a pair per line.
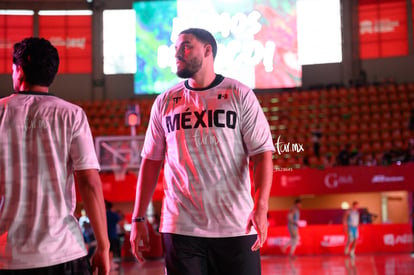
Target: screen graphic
257,41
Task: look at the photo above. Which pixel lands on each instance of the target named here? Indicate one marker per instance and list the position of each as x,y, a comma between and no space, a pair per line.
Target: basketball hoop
120,172
119,154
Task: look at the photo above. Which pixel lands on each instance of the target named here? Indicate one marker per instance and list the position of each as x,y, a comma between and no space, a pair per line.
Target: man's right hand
139,239
101,264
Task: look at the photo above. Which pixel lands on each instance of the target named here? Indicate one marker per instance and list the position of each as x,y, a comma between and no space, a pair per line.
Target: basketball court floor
364,264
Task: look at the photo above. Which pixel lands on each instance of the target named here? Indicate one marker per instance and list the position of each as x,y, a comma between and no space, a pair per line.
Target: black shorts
186,255
79,266
115,246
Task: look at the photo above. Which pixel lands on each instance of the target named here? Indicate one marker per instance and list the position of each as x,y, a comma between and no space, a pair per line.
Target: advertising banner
72,36
343,180
383,30
331,239
13,28
295,182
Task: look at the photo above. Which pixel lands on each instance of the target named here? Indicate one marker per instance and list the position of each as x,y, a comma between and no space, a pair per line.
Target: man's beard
185,73
193,66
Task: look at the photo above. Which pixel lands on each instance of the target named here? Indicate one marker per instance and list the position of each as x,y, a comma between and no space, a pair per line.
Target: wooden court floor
364,264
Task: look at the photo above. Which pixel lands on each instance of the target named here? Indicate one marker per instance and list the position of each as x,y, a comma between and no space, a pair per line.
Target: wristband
138,219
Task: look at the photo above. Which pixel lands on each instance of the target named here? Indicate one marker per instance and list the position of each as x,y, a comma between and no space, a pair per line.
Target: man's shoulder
235,82
177,87
65,104
171,92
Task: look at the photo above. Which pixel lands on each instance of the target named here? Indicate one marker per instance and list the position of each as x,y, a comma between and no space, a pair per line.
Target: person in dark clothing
112,220
316,140
343,157
366,217
89,238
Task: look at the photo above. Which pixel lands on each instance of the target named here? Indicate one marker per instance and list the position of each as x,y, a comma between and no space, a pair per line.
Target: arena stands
374,120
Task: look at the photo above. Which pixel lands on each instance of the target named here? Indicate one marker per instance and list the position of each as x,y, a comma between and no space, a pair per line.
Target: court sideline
364,264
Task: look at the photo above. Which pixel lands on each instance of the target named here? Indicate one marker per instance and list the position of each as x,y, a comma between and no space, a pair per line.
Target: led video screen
257,41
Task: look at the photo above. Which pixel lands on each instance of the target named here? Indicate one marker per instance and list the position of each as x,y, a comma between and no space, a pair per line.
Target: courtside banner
293,182
343,180
331,239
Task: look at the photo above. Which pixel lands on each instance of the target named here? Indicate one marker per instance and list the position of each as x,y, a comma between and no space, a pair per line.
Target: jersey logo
222,96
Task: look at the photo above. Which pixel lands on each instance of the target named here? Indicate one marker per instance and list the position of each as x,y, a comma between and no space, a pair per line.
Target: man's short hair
203,36
39,60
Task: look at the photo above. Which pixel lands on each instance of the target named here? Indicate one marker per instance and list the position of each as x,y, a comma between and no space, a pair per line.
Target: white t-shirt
43,140
206,138
353,218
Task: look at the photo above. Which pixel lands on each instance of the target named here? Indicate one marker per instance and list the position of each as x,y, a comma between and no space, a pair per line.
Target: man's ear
19,72
208,50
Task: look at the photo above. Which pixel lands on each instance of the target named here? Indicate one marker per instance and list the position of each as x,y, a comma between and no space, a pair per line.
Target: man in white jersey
293,226
45,141
351,222
206,130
